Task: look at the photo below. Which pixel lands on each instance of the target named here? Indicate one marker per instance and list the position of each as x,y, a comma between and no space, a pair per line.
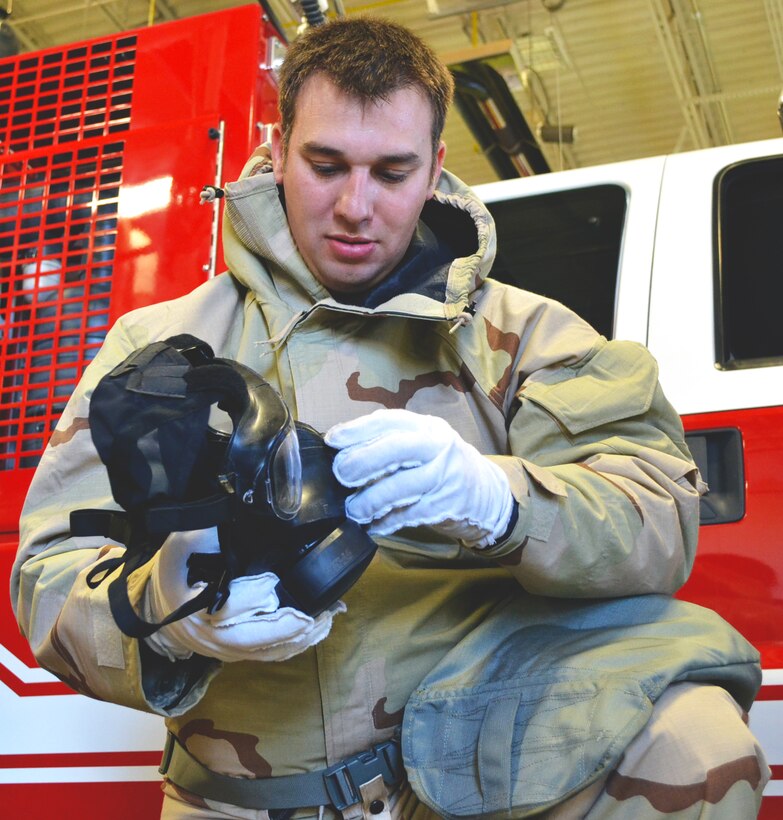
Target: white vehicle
683,254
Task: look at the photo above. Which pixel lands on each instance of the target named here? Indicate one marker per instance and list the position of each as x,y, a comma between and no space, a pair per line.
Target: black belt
337,786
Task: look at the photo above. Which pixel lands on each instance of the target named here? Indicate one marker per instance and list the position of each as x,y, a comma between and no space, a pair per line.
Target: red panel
201,65
81,801
739,566
771,693
104,147
210,65
771,809
163,237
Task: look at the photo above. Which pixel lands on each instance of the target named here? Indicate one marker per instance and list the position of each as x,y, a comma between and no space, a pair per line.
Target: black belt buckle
343,781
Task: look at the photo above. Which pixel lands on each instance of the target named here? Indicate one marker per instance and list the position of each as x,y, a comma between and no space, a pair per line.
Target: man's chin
350,283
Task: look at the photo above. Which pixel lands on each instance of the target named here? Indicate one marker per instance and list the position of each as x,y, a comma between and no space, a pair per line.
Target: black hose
312,12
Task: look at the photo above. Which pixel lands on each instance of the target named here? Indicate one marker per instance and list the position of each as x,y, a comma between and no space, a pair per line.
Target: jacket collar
449,258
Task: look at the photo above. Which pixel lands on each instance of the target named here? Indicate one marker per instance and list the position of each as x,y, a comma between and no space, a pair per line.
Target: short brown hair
368,58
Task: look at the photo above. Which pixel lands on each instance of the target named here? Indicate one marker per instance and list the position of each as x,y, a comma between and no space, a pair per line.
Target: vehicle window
565,245
749,273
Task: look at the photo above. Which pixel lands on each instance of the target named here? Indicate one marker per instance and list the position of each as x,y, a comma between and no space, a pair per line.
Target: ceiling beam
29,36
74,9
774,11
688,59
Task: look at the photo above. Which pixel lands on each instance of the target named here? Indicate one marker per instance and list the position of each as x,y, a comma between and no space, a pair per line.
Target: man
505,457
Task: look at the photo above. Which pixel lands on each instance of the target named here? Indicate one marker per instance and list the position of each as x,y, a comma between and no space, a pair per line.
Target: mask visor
284,485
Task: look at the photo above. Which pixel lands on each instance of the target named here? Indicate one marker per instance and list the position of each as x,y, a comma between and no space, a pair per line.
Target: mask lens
286,475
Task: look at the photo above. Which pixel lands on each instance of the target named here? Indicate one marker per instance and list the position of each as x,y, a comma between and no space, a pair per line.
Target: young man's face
356,177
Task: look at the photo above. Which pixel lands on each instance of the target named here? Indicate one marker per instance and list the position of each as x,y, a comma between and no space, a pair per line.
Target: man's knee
695,751
695,758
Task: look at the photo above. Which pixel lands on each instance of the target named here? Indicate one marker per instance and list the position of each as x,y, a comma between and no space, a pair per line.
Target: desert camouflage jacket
606,489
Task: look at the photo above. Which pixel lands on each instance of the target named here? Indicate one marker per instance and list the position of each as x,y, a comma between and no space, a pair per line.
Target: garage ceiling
634,78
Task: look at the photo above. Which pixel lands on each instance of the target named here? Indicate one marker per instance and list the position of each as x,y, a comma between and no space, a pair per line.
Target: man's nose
355,201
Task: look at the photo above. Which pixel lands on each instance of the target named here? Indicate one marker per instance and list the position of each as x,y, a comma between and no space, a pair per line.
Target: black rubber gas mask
262,462
267,485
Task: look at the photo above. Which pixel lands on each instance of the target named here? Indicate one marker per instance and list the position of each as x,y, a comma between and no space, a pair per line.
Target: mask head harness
267,486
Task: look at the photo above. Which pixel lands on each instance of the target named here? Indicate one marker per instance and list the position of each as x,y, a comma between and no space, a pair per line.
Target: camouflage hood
267,261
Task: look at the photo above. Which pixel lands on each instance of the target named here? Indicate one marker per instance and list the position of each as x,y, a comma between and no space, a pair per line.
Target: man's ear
437,168
278,154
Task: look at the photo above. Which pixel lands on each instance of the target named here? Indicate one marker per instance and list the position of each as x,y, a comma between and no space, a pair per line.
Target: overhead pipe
270,15
493,116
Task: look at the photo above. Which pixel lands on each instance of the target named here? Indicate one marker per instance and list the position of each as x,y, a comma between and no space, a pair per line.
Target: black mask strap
141,546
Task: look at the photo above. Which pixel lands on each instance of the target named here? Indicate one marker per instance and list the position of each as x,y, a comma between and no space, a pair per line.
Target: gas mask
267,485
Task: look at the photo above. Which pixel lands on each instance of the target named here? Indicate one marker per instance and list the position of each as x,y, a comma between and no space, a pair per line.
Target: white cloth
415,470
250,625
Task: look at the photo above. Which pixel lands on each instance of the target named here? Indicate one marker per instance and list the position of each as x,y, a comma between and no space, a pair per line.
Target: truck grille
61,117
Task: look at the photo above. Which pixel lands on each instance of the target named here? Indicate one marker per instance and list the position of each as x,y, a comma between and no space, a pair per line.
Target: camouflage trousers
695,758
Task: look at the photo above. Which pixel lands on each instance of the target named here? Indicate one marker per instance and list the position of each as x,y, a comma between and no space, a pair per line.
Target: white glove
250,626
413,470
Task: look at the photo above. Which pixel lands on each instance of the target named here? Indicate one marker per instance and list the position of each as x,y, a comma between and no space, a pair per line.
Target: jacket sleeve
67,621
608,492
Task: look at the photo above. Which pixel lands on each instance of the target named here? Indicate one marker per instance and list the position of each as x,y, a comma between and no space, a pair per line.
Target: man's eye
325,170
393,176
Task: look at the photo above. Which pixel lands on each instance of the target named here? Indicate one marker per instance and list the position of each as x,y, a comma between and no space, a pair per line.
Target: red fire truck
104,148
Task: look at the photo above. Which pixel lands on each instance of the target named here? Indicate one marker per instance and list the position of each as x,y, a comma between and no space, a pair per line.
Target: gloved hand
414,469
250,626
